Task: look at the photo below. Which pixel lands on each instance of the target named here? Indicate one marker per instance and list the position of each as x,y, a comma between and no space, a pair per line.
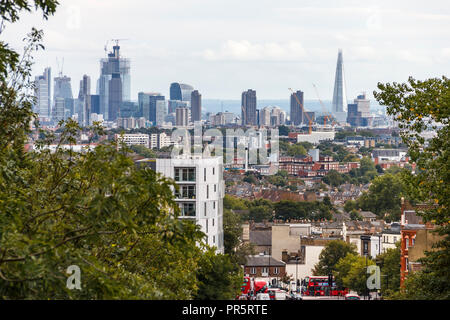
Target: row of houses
293,249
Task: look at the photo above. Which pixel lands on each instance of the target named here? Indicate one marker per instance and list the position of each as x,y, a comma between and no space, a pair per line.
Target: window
207,191
265,271
215,188
214,205
205,209
187,209
252,270
214,239
276,270
395,239
204,174
213,223
184,174
186,192
206,225
214,171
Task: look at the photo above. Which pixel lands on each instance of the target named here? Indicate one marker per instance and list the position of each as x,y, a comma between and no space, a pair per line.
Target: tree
351,272
419,106
143,151
383,196
296,150
331,254
354,215
389,262
350,205
232,230
333,178
283,130
219,277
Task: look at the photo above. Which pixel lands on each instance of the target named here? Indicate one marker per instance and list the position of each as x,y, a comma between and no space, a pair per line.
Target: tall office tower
62,89
339,105
248,105
160,112
182,117
283,117
180,91
84,101
359,112
43,90
196,106
264,116
115,96
129,109
58,112
147,104
296,108
95,103
200,194
173,104
114,63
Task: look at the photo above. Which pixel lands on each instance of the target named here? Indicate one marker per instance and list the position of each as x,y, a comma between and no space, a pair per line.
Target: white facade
316,136
389,240
303,270
201,192
134,139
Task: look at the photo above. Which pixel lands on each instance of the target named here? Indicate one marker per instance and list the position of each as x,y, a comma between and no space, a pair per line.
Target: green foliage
418,106
219,277
230,202
333,178
296,150
283,130
351,272
350,205
389,263
143,151
384,196
330,256
354,215
313,210
232,230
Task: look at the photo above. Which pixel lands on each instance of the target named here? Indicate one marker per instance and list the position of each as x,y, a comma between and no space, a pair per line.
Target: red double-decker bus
319,286
251,287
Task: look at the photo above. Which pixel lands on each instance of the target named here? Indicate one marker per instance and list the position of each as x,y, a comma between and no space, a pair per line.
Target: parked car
262,296
352,296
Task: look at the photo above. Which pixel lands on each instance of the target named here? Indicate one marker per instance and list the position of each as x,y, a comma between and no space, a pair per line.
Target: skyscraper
359,112
296,108
182,117
62,91
248,105
339,105
84,101
180,91
115,96
43,94
160,112
108,66
196,106
147,104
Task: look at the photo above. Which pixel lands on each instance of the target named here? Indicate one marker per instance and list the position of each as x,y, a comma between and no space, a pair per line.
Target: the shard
339,106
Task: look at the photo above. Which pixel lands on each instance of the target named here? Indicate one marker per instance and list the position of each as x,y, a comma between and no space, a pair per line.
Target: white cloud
245,50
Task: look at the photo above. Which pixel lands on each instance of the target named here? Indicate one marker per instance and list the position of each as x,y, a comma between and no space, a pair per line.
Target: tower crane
303,110
324,109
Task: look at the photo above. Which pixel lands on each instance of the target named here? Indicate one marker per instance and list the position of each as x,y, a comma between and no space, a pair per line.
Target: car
262,296
352,296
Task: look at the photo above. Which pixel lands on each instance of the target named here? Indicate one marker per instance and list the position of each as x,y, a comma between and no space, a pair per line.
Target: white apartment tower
201,192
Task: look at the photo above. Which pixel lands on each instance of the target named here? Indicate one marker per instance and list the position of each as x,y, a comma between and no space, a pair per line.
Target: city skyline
285,45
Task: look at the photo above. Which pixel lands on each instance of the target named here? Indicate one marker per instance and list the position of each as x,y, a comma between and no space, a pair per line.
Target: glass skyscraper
339,105
108,66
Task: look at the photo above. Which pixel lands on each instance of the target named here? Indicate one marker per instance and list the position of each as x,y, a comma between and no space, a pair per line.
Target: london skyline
285,45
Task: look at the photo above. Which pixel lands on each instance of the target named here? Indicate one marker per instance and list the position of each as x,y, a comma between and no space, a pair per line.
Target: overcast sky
223,47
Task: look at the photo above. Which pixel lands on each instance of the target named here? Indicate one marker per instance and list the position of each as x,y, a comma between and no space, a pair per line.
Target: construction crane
115,40
324,109
60,68
303,110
